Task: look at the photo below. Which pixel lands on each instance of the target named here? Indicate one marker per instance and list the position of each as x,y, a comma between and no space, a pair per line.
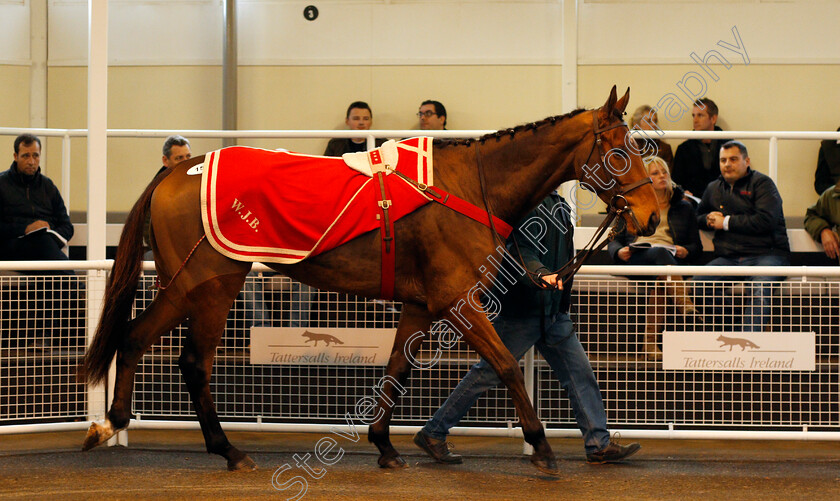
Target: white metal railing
371,135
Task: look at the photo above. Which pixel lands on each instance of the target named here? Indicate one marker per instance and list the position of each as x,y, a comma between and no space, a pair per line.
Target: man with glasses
432,115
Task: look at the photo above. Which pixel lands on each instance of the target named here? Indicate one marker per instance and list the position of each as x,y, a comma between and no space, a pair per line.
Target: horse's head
615,171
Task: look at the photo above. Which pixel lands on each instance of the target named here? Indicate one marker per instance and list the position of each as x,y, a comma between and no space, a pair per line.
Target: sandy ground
173,465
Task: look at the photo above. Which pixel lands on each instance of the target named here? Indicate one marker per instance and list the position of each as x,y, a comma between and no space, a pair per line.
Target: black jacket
523,298
828,165
757,221
25,199
682,221
689,170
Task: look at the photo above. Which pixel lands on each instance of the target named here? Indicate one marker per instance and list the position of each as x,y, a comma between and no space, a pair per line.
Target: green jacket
543,254
825,213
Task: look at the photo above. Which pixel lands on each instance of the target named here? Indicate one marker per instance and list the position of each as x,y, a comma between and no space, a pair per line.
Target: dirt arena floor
173,465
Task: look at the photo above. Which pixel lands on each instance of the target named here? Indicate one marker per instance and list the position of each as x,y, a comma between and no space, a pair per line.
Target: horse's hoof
98,434
244,464
392,462
546,464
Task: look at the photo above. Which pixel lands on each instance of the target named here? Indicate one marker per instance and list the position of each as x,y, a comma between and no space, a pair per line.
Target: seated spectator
822,220
34,224
359,117
828,165
645,117
176,149
696,160
432,115
676,241
744,209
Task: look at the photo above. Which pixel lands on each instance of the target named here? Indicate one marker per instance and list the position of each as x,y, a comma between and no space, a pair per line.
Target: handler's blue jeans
562,350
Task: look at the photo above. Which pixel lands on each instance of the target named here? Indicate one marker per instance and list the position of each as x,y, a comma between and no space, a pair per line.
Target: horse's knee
509,373
190,368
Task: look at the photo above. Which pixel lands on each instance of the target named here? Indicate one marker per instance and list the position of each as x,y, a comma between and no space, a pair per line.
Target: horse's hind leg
413,319
209,304
161,316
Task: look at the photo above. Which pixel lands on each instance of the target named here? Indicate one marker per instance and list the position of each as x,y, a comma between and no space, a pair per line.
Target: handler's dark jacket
682,221
24,199
544,255
689,170
756,223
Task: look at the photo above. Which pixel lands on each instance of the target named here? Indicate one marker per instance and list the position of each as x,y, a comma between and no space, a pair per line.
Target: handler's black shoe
437,449
612,453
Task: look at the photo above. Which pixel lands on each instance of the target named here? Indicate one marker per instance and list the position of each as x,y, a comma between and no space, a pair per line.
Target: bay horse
439,253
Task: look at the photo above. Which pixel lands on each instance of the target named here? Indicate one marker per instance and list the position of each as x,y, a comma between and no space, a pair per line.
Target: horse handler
532,316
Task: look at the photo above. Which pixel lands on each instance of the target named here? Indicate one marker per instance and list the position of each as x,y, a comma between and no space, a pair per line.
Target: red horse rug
282,207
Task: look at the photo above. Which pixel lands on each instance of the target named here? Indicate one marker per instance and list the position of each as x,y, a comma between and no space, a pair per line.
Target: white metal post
65,169
97,143
527,449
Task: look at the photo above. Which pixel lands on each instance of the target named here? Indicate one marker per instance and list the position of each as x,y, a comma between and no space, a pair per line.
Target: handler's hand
682,252
623,253
830,243
552,281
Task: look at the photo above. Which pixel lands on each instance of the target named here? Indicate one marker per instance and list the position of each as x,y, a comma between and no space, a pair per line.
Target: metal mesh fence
619,321
614,318
42,320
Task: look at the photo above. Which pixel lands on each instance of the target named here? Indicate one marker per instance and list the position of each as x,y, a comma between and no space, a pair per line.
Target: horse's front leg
413,319
480,335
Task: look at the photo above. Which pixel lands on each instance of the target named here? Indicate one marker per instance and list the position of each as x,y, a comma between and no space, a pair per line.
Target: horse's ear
622,103
610,104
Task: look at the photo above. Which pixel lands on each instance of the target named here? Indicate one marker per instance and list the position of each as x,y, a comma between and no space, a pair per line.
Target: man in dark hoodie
34,224
696,160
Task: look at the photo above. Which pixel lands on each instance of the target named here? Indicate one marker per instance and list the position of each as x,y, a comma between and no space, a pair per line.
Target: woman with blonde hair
676,241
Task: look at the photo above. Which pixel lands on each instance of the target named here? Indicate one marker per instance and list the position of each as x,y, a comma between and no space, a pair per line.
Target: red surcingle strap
471,211
437,195
386,230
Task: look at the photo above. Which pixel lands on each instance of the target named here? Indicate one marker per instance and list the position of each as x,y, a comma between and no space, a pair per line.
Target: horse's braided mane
511,132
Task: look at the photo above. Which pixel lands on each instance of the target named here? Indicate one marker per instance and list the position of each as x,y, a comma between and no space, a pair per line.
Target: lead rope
164,287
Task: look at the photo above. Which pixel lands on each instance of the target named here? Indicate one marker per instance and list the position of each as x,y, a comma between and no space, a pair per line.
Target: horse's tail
120,290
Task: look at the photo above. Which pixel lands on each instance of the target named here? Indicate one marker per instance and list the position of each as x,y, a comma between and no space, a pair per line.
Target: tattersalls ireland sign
738,351
321,346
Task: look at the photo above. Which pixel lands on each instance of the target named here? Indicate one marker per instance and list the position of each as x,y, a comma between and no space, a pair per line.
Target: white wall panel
176,32
379,32
645,32
345,33
14,32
